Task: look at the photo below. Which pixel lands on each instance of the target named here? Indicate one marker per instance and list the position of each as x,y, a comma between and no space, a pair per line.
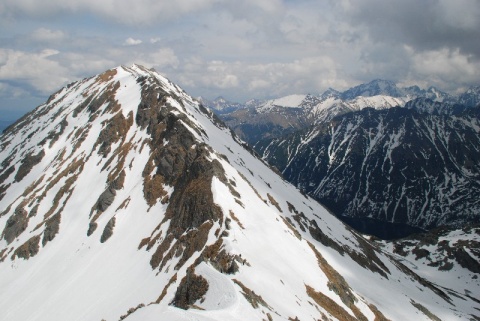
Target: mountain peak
373,88
131,201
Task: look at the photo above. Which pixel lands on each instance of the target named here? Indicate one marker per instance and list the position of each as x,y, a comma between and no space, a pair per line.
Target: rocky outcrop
27,164
28,249
396,165
191,289
52,226
106,199
108,230
16,225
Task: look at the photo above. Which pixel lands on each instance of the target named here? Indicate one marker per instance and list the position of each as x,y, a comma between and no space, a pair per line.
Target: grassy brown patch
274,202
254,299
378,315
107,75
172,280
235,218
124,204
336,282
52,226
28,249
329,305
153,189
425,311
292,228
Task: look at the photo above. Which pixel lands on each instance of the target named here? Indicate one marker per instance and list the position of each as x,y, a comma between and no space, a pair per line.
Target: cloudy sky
237,49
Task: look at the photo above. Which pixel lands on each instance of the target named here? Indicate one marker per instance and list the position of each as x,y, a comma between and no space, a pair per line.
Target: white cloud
35,69
123,11
162,59
238,80
47,35
247,49
445,67
11,92
132,42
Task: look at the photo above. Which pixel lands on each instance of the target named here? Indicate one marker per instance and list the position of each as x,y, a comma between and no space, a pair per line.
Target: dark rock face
28,249
464,250
192,288
252,126
108,231
180,161
106,199
52,226
16,225
91,228
27,164
191,203
395,165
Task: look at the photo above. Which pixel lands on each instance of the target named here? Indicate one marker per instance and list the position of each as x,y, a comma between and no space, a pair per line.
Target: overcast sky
237,49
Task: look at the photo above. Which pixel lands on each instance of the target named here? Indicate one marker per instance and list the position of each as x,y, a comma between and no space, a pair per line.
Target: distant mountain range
397,165
257,120
385,159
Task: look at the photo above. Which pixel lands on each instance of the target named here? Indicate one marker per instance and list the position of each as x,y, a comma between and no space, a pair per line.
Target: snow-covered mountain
253,122
395,165
220,105
471,97
452,255
122,198
377,87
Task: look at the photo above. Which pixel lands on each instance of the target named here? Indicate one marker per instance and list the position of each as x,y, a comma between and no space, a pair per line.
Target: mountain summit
122,198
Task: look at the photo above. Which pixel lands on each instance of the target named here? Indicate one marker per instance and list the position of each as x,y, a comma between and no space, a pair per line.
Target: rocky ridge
122,186
400,165
277,117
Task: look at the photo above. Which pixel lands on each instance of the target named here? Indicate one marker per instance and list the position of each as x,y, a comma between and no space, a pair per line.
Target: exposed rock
336,282
52,226
108,231
466,261
6,174
91,228
131,310
328,304
28,249
192,288
34,211
191,203
425,311
375,168
27,164
222,261
118,182
228,222
16,225
106,199
55,134
254,299
116,129
183,246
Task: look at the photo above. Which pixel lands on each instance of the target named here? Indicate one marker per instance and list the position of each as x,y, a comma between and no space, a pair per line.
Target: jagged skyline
238,50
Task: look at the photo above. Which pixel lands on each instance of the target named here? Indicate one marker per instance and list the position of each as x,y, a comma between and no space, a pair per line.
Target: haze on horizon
240,50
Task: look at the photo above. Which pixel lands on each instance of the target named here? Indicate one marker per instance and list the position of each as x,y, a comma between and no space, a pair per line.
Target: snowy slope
451,256
327,109
122,198
395,165
291,101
